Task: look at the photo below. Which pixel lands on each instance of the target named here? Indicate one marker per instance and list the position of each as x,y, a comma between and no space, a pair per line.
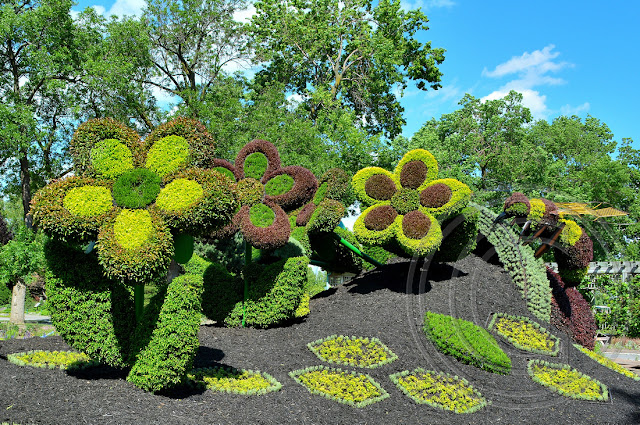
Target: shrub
536,211
327,248
352,351
326,216
566,381
5,233
439,390
571,313
525,334
165,361
517,204
200,143
111,158
222,291
275,292
460,197
466,342
413,173
92,133
234,381
335,184
418,234
351,388
373,184
269,237
459,236
93,314
255,165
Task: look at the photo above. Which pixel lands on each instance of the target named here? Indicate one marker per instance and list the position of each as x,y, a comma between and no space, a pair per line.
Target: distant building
336,279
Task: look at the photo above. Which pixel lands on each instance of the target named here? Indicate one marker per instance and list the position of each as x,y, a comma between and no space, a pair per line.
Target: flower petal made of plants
460,197
290,187
179,194
409,231
255,165
133,228
168,155
88,201
111,158
383,228
273,236
416,169
373,185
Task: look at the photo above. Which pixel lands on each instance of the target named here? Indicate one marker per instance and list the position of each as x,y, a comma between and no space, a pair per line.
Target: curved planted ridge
466,342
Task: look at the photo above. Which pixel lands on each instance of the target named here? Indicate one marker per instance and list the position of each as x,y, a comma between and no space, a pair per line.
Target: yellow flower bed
607,362
525,334
350,388
52,359
246,382
439,390
567,381
352,351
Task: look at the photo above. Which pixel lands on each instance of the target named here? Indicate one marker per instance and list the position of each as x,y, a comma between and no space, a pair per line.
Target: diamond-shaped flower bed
230,380
439,390
52,359
525,334
607,362
354,389
567,381
352,351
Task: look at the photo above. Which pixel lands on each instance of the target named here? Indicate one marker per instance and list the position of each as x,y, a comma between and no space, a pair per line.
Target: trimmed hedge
459,236
527,272
93,314
517,204
466,342
381,191
460,197
571,313
270,237
337,187
222,290
326,248
166,360
326,216
423,156
91,133
168,155
110,158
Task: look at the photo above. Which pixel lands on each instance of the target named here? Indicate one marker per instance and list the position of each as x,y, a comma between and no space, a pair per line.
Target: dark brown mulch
384,303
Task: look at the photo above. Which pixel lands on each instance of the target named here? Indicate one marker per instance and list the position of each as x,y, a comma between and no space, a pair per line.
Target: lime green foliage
133,228
250,191
439,390
607,362
225,172
230,380
405,200
167,358
279,184
525,334
352,351
136,188
275,292
320,193
179,194
255,165
423,247
466,342
537,210
261,215
52,359
517,209
303,308
571,232
104,306
326,216
567,381
350,388
88,201
420,155
528,273
111,158
167,155
461,241
359,181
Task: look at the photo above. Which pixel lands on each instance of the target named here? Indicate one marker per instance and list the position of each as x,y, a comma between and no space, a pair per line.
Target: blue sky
565,57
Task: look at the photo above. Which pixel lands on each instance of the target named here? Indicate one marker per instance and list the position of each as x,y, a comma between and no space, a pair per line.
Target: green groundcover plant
525,334
231,380
607,362
566,381
466,342
352,351
52,359
351,388
439,390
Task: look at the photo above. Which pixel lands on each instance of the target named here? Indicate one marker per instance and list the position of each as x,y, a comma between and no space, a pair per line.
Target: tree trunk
17,303
25,181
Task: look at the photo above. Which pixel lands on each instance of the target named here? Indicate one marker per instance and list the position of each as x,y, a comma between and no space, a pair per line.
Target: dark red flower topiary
305,214
571,313
435,196
257,146
380,187
269,237
577,256
305,186
415,224
380,218
413,174
551,213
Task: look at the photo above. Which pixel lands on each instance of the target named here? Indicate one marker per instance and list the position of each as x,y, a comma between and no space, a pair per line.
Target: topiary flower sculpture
132,194
266,191
407,207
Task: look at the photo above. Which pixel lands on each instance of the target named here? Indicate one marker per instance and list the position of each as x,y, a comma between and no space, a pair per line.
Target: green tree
346,55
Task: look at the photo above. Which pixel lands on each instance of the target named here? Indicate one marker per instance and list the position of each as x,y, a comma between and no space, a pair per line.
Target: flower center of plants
380,218
380,187
136,188
250,191
413,174
435,196
261,215
405,200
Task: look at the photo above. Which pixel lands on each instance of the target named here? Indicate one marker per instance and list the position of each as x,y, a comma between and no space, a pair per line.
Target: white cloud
244,16
127,7
532,71
575,110
425,5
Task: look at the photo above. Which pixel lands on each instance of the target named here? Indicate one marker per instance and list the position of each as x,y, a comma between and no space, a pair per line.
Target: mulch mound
387,303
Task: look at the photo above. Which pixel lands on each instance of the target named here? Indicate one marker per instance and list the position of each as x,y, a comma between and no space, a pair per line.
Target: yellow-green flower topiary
352,351
567,381
406,208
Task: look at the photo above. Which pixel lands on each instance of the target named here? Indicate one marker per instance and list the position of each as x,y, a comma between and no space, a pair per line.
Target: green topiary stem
138,301
359,253
247,261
